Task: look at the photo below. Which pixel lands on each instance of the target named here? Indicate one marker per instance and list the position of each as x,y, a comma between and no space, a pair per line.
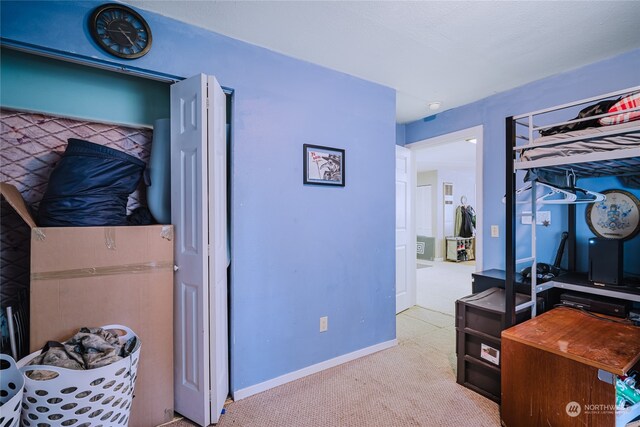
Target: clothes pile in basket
90,348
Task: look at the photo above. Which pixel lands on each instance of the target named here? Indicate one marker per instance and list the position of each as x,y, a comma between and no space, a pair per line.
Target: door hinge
207,103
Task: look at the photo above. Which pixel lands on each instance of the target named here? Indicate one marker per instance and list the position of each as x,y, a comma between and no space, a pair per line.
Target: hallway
440,283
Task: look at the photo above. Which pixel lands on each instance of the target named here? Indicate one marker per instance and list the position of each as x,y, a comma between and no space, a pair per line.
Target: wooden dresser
559,369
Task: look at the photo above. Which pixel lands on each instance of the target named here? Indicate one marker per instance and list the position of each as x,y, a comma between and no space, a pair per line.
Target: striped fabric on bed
627,103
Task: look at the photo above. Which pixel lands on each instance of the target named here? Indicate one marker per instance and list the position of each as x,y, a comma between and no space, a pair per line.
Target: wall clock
616,217
120,30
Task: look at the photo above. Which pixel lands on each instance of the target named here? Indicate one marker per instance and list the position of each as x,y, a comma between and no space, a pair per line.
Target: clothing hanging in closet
465,223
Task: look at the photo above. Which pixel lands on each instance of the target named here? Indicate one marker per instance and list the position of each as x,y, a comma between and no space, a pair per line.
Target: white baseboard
438,259
292,376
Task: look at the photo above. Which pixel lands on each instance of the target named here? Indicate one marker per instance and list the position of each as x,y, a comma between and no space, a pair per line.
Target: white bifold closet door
199,215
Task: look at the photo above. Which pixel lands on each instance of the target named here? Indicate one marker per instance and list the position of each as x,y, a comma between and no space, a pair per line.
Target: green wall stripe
34,83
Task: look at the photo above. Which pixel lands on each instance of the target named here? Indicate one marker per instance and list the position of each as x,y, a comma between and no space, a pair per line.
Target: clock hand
127,36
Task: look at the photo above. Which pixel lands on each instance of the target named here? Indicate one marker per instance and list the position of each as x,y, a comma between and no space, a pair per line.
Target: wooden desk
554,359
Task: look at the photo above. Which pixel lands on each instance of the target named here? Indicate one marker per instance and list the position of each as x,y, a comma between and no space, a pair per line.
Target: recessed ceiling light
434,105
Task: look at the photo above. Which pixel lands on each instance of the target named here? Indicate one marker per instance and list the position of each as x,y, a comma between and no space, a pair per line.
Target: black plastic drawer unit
480,318
483,280
483,378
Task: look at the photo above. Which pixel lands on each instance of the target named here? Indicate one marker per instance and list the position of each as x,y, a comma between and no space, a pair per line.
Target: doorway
448,177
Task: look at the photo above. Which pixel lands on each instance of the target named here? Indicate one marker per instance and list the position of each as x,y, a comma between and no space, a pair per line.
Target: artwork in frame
323,165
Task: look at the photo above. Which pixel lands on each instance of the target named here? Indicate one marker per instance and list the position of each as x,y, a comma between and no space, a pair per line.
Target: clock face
121,31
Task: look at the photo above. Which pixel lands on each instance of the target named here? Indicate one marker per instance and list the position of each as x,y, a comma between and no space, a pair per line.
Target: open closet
36,128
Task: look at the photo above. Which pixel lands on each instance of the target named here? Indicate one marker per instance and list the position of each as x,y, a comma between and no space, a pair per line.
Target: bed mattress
627,135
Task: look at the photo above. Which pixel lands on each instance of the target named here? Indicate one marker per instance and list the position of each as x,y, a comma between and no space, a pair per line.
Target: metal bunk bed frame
596,164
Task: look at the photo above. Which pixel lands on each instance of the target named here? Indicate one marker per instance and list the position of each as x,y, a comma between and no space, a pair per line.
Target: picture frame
323,165
616,217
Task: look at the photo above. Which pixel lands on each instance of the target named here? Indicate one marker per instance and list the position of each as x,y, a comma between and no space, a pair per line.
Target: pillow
626,103
597,109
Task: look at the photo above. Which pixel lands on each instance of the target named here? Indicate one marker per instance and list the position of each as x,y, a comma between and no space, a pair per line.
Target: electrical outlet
324,323
495,231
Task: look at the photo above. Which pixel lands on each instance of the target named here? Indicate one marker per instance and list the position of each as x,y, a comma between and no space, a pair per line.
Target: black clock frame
98,35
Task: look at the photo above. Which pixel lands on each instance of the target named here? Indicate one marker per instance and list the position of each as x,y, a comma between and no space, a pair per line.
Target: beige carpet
438,288
412,384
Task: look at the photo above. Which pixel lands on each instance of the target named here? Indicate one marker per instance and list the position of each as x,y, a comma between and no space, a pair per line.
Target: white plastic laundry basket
81,398
11,391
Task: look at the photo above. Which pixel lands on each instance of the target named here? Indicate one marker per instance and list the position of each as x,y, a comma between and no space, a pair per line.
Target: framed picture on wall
616,217
323,165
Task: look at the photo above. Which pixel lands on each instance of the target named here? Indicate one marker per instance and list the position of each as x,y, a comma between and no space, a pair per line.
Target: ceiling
458,156
454,52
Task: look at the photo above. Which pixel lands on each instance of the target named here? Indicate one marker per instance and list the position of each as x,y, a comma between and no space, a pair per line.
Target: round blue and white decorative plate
616,217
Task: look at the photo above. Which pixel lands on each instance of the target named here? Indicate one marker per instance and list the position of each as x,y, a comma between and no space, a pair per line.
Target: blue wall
631,247
298,252
36,83
592,80
400,134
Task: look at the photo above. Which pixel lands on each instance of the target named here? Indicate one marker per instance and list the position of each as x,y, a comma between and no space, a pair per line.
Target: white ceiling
459,155
455,52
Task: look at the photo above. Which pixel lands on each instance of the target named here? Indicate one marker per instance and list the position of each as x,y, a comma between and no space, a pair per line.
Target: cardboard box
94,276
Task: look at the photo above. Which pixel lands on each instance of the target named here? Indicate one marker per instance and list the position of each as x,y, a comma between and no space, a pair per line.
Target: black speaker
606,261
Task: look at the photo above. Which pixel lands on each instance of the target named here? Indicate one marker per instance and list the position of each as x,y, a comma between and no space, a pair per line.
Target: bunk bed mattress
629,137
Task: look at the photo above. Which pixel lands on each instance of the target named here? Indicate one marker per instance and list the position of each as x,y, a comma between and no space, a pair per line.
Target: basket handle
9,359
51,368
127,332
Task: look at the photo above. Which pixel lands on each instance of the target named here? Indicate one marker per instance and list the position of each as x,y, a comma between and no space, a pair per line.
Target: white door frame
476,133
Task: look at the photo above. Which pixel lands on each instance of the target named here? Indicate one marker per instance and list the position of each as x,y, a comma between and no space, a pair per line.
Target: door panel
401,272
405,235
218,240
189,214
188,238
401,205
199,214
189,297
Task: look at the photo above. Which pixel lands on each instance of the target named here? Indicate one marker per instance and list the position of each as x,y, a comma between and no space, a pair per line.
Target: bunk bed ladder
510,220
532,258
534,252
510,252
